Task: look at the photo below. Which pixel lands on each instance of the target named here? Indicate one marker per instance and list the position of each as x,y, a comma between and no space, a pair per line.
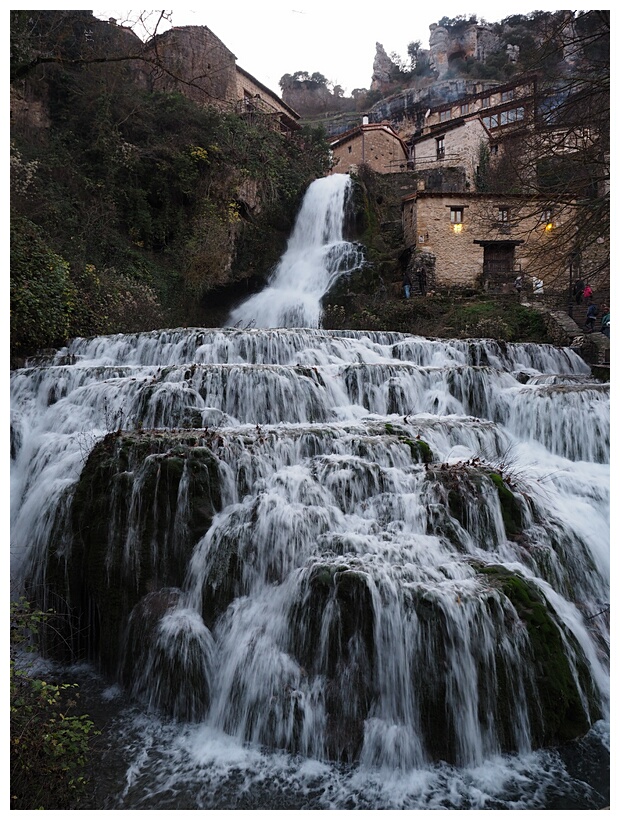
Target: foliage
43,297
49,741
459,21
145,203
437,316
303,78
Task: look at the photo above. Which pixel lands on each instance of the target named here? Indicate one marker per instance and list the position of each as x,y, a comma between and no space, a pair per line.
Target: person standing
578,289
407,284
519,286
587,294
591,318
605,321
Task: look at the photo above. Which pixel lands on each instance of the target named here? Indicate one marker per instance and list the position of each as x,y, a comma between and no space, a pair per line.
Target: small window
465,108
350,148
445,115
508,95
456,215
486,102
441,147
491,122
503,214
493,150
547,220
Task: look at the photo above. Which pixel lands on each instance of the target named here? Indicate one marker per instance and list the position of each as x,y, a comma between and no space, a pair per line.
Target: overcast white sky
337,39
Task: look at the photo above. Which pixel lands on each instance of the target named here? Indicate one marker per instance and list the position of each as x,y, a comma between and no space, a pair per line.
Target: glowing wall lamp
457,228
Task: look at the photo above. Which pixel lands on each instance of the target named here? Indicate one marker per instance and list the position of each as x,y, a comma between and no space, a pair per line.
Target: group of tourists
583,294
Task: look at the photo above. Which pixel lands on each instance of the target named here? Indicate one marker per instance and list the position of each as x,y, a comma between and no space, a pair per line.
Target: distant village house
376,145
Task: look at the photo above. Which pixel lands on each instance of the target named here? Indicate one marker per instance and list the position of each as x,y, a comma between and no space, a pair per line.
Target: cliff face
309,98
460,42
463,57
382,70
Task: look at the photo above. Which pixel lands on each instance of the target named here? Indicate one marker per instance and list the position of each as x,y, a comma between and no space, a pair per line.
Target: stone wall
196,63
374,146
461,147
428,226
563,331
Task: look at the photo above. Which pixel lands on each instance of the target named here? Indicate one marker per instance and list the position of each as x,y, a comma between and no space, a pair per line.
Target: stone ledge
594,348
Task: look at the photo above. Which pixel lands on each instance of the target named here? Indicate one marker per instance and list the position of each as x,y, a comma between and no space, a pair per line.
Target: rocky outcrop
309,98
463,41
382,70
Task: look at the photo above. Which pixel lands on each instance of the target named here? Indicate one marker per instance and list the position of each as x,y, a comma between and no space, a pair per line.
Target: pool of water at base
142,762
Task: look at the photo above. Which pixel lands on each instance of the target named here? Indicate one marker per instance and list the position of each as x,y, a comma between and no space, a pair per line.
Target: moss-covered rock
562,704
166,656
332,629
141,503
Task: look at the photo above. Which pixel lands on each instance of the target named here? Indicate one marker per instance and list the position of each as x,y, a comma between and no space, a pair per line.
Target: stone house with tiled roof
376,145
197,64
467,240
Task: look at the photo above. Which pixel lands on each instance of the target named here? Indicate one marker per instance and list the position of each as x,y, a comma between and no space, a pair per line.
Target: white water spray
316,256
345,607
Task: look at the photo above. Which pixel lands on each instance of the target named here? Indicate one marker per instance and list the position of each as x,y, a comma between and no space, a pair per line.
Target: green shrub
42,294
49,741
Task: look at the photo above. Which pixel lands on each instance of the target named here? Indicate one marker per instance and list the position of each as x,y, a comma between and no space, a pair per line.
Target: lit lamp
457,228
548,227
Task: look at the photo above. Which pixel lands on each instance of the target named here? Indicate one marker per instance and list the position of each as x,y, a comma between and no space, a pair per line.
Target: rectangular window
508,95
511,115
441,148
491,122
445,115
493,149
503,214
456,215
486,102
465,108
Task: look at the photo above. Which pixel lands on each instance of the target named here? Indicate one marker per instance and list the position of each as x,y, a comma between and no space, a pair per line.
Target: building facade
376,145
485,241
454,134
193,61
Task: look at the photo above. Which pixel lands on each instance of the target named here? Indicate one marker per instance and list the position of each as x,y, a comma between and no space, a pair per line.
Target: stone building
376,145
193,61
484,241
454,133
258,101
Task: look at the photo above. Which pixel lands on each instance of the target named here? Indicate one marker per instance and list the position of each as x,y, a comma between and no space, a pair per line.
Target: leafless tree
558,163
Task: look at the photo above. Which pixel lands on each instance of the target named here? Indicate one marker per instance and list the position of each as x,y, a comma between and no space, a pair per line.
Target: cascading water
336,570
316,256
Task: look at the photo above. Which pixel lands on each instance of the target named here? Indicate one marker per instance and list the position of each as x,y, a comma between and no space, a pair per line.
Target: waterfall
334,569
316,256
